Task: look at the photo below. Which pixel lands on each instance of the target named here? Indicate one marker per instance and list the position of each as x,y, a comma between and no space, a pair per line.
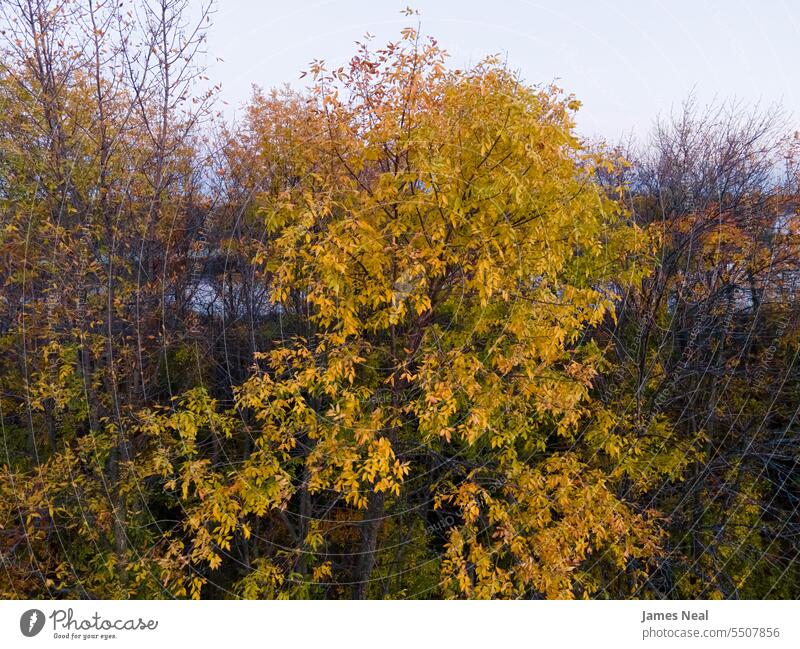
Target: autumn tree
439,250
401,333
703,348
98,175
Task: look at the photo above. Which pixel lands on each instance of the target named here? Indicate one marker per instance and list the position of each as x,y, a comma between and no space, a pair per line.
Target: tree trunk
369,541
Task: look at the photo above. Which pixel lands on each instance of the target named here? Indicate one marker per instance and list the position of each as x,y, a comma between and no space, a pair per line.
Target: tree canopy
400,334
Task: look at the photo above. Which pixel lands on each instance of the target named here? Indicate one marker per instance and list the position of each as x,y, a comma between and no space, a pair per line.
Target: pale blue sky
625,60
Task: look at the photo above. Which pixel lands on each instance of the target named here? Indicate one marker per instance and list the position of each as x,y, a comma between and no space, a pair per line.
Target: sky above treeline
626,60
